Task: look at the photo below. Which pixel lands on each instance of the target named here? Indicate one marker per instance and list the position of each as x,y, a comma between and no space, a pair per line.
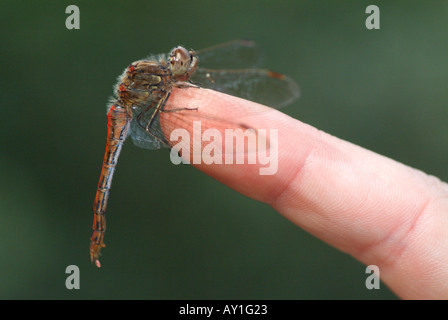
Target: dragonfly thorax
142,82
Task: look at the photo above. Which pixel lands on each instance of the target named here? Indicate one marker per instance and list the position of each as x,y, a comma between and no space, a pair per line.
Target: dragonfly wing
142,138
233,54
143,118
260,85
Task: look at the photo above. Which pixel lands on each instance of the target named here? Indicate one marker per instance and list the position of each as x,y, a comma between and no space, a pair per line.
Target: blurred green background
173,232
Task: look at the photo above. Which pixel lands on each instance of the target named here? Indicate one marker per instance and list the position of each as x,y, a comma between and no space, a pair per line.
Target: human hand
378,210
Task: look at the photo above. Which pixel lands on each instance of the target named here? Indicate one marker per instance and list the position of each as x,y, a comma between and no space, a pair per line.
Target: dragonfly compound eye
180,60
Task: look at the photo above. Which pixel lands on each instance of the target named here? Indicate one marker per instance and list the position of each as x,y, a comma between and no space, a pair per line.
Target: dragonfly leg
183,85
179,85
178,109
159,108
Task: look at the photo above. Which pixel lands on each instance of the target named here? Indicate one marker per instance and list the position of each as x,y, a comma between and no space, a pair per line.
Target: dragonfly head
182,63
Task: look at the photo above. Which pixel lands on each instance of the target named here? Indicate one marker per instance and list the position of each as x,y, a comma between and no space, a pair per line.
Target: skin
378,210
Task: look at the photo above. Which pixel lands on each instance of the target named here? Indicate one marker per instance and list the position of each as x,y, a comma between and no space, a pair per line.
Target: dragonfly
145,86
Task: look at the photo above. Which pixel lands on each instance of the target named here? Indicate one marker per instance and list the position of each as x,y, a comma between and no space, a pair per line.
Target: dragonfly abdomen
117,131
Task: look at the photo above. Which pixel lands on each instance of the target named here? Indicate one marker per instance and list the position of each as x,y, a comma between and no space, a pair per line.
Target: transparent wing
260,85
142,139
143,119
230,55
